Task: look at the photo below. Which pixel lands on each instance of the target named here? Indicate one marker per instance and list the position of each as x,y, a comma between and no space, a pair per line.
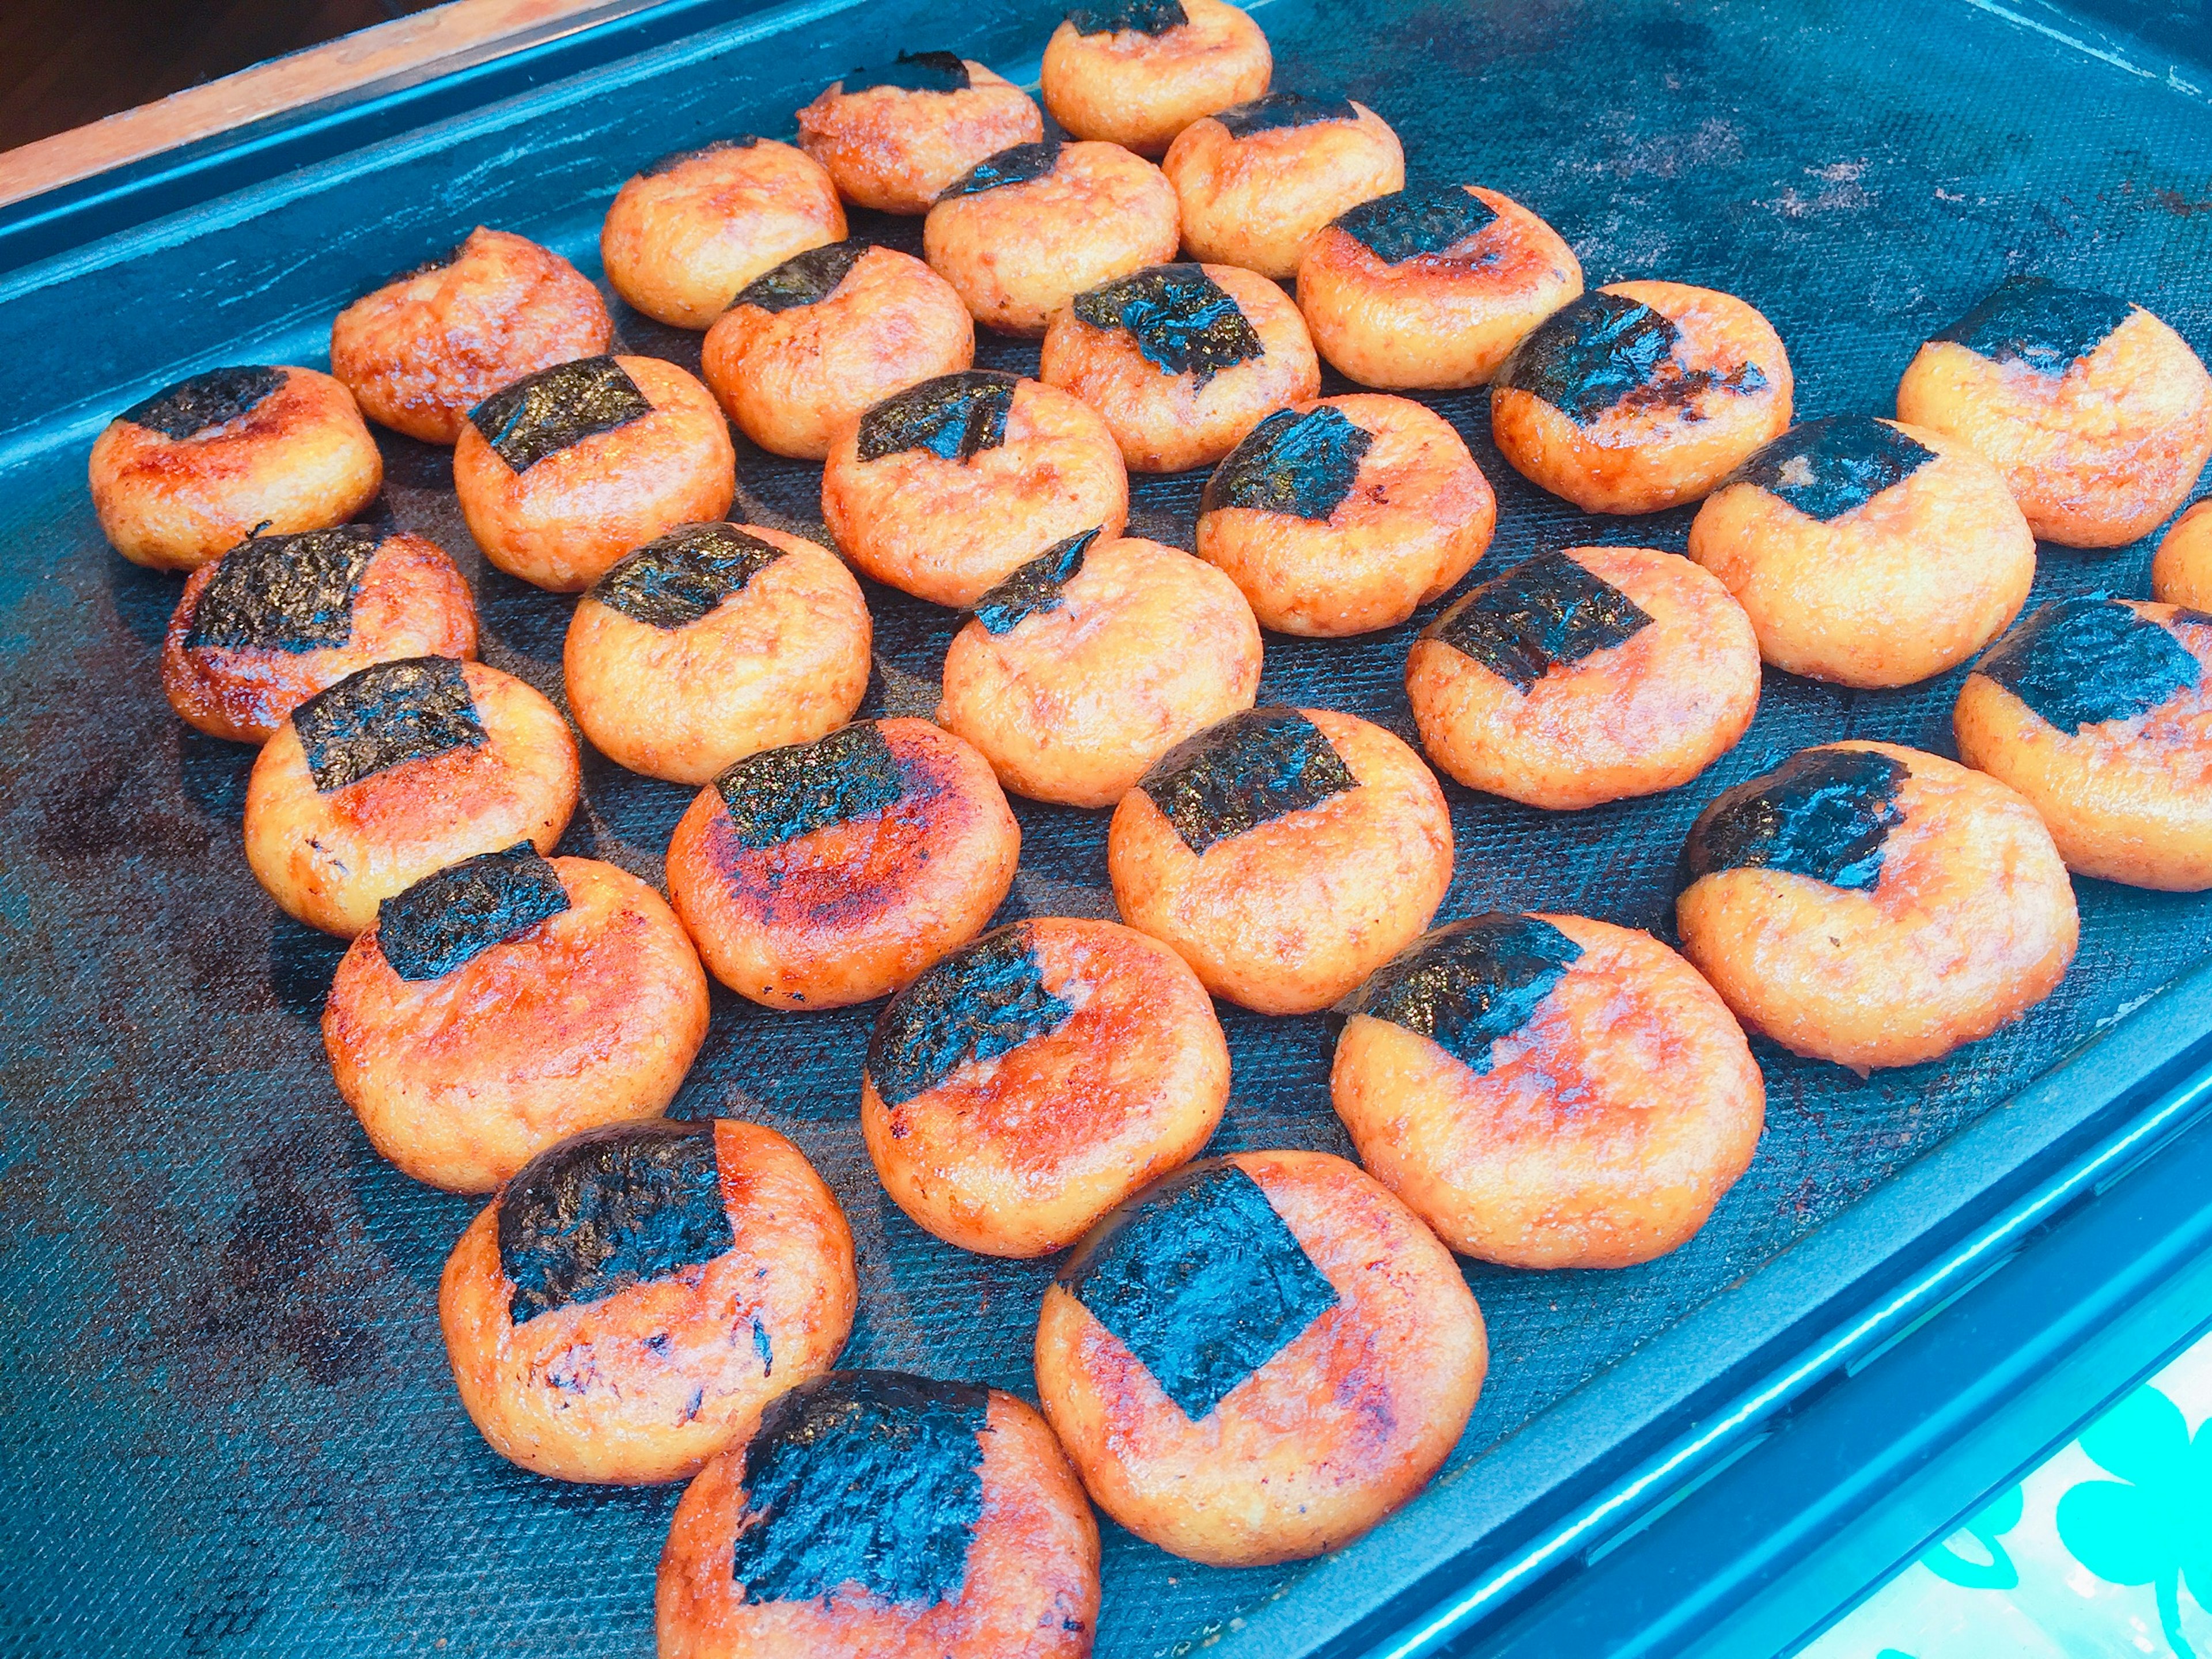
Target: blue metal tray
229,1428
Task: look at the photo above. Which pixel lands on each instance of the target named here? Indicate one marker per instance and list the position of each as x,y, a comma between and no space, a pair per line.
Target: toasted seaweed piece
1590,355
1302,465
676,159
1823,813
2089,659
545,413
1417,222
675,580
1146,16
2037,322
1200,1279
803,279
214,398
608,1209
1546,612
1825,469
868,1478
912,71
291,593
1243,771
985,999
1036,587
1469,982
1283,109
1016,165
385,715
953,417
448,920
781,794
1181,320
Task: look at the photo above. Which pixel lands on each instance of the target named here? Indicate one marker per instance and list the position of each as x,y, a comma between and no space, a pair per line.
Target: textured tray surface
229,1428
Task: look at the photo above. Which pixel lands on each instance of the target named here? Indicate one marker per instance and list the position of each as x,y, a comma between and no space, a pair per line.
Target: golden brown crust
785,661
1259,201
2181,573
410,602
1440,321
1339,1428
1148,646
647,1384
1645,716
948,531
895,150
1419,516
793,379
1895,592
592,1017
330,860
1972,924
1291,914
1017,1155
1648,453
2097,457
562,522
2126,800
1020,252
1030,1588
1139,90
300,459
1169,422
1601,1135
425,348
857,909
678,242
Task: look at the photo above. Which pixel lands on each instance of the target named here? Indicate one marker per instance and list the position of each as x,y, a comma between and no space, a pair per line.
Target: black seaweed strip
608,1209
1200,1279
1585,358
1546,612
214,398
1154,17
385,715
1279,110
912,71
676,159
1180,319
1036,587
1823,813
803,279
982,1001
1825,469
677,579
1246,771
954,417
1469,984
1302,465
291,593
1417,222
448,920
2035,321
1017,165
873,1479
545,413
2080,661
781,794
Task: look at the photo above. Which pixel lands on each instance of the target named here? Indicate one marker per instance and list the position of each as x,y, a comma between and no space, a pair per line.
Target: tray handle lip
1703,1390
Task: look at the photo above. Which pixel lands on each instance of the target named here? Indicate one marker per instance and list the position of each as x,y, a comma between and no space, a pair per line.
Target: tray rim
2040,1130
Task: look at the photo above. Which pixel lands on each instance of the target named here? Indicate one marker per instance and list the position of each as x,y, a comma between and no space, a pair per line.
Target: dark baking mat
229,1428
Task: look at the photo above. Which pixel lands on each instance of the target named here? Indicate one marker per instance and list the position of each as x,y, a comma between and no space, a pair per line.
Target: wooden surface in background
78,55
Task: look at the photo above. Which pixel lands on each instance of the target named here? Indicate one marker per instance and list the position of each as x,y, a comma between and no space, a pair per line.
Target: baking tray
229,1428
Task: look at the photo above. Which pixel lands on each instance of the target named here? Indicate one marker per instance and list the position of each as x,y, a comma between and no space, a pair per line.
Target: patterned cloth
2106,1549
